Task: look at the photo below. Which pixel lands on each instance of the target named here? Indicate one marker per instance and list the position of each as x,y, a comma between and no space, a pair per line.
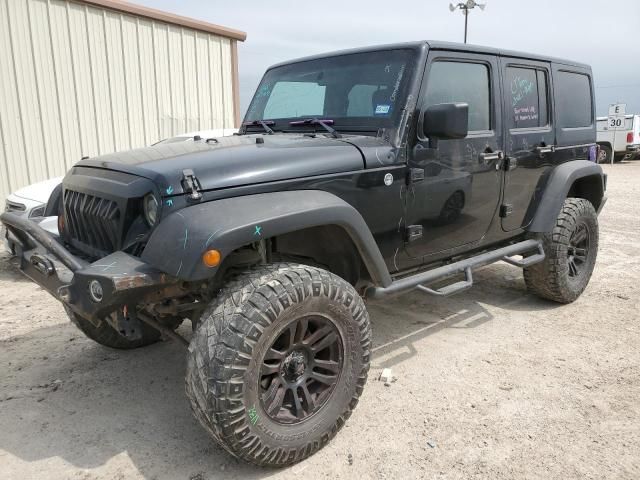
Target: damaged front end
118,288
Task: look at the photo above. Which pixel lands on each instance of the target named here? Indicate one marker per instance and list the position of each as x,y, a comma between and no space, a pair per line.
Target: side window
295,99
526,92
573,99
450,82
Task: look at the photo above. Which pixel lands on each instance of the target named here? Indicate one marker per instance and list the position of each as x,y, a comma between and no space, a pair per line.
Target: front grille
14,206
92,221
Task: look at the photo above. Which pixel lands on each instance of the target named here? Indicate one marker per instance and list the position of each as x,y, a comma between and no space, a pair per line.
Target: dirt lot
493,383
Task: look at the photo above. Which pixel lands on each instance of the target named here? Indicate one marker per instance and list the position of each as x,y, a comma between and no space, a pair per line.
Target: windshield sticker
382,109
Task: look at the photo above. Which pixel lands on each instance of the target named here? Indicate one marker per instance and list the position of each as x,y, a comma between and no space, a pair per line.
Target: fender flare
556,190
177,244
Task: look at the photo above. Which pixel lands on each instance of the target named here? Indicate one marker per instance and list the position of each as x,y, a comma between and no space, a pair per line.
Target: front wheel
278,362
571,249
101,332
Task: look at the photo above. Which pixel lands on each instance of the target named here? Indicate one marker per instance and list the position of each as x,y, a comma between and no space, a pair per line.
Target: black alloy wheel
578,250
570,248
300,369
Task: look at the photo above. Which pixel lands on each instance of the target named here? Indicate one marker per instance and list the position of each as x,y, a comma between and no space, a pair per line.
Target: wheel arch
606,144
177,245
328,246
579,178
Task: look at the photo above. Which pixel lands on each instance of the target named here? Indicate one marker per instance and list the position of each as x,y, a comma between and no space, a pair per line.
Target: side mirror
446,121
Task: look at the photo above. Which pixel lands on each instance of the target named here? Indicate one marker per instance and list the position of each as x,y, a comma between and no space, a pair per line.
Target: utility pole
464,8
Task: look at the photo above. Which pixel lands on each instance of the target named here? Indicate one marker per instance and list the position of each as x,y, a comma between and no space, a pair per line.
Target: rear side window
451,82
527,95
573,99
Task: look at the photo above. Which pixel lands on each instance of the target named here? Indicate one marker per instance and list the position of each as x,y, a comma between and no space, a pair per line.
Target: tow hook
42,264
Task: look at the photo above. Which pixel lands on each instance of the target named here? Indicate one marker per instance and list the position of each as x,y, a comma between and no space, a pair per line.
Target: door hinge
191,185
506,209
413,232
415,175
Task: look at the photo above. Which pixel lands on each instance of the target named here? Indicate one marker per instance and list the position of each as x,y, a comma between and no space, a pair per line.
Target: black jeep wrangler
355,175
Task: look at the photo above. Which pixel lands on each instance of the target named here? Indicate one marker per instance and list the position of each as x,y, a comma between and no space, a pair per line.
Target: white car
31,201
618,144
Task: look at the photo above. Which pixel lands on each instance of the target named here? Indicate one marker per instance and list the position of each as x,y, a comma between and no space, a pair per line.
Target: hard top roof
438,45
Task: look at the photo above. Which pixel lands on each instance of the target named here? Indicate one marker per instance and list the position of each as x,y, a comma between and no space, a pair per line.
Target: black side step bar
463,266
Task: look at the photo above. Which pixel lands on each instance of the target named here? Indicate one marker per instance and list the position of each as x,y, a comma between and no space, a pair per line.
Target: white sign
617,109
616,122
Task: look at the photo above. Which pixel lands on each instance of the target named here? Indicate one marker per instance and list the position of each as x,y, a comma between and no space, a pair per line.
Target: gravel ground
493,383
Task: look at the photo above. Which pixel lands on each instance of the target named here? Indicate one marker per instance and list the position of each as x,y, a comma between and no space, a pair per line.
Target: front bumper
125,280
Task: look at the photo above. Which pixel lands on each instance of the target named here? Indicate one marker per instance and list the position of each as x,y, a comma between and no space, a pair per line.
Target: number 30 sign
616,116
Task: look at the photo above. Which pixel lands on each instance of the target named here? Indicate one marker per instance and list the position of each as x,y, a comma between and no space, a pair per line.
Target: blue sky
604,34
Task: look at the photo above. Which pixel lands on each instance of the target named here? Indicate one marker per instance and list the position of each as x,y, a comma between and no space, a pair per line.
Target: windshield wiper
262,123
324,123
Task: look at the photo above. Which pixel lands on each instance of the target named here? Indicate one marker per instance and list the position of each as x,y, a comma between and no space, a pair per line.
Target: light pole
464,8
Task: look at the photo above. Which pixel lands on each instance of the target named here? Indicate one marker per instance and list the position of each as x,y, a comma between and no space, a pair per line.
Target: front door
529,137
459,196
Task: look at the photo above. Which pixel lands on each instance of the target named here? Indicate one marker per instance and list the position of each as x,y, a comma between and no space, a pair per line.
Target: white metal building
87,77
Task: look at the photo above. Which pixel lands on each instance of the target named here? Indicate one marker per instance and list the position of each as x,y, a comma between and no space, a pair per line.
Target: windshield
360,90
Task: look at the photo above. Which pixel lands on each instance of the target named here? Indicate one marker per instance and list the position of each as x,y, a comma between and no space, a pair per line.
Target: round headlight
151,208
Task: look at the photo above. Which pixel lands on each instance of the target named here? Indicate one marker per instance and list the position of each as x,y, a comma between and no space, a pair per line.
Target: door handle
491,156
545,149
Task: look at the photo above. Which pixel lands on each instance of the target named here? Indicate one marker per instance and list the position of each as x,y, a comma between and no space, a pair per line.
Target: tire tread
220,353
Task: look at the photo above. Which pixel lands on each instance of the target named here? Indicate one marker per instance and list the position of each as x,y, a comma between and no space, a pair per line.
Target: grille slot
14,206
92,221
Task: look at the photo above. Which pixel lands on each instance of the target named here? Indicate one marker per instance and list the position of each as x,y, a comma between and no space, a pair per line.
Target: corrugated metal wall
77,80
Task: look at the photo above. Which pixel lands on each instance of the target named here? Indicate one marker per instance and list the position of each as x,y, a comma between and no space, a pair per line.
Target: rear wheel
278,362
571,249
604,154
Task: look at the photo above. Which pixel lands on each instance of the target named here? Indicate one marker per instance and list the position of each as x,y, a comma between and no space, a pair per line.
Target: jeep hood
234,161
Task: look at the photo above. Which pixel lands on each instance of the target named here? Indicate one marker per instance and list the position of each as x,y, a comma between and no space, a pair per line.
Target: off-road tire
604,156
228,349
551,278
104,334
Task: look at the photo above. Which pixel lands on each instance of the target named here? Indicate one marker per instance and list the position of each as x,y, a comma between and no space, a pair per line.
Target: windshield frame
356,124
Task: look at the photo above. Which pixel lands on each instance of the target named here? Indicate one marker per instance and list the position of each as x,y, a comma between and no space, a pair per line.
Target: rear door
529,136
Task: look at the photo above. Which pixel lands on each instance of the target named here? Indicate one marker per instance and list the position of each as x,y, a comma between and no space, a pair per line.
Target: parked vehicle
31,201
618,144
337,189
